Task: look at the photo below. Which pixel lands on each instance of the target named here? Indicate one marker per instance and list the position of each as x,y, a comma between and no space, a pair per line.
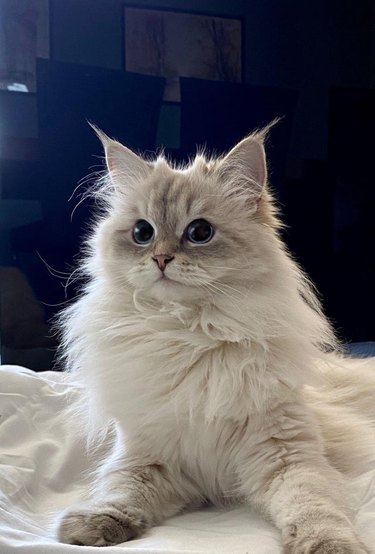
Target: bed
41,468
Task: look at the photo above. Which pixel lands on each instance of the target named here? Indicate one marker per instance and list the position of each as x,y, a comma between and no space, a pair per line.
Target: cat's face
180,235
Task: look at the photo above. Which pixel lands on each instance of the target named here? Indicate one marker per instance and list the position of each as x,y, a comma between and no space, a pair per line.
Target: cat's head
184,234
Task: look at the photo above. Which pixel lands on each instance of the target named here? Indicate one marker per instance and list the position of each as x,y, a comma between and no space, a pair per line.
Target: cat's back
343,403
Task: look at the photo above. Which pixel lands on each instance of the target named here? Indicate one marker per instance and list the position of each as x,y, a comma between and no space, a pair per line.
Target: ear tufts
124,166
104,139
244,168
261,134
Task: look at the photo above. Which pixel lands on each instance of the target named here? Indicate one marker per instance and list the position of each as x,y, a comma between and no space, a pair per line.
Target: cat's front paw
331,542
100,525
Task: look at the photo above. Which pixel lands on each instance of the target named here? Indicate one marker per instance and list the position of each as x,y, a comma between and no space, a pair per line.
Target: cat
200,336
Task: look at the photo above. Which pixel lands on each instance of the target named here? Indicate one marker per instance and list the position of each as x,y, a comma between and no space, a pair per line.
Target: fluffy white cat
201,337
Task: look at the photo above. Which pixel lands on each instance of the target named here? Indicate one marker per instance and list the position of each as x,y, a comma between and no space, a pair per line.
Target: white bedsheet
40,474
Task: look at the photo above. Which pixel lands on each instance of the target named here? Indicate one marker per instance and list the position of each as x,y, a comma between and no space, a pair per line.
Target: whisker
236,301
70,280
84,197
93,176
226,267
215,287
60,303
63,274
232,288
203,285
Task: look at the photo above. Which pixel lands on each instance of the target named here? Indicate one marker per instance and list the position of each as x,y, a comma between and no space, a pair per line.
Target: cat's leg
286,475
130,498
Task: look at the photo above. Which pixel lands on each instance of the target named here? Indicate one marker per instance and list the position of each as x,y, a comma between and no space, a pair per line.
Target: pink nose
162,260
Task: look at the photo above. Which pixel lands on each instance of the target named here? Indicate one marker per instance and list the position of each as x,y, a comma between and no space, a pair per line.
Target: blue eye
143,232
199,231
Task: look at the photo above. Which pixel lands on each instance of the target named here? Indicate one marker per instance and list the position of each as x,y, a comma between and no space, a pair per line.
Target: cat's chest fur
182,388
175,368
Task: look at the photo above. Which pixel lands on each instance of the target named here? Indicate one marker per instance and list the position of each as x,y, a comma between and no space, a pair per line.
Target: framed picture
24,36
175,44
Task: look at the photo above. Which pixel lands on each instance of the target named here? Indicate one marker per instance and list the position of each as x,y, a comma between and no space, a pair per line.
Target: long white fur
229,385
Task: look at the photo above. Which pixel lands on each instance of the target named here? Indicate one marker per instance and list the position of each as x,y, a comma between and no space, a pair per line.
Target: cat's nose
162,260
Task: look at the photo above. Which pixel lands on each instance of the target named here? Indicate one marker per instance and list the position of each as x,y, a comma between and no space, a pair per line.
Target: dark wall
87,32
308,46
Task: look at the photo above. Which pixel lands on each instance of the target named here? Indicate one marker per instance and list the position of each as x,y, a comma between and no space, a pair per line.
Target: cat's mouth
163,278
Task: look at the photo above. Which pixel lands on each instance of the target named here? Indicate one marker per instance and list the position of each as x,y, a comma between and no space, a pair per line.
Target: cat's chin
169,290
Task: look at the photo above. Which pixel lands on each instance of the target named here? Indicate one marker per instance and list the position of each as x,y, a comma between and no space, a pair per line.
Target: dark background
312,61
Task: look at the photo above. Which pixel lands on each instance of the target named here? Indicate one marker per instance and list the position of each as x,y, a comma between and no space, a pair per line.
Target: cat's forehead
170,195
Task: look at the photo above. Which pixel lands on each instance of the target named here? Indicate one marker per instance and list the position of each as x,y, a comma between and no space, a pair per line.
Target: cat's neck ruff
199,360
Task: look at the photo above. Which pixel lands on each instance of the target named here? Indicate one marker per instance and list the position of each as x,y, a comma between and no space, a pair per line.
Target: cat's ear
244,168
124,166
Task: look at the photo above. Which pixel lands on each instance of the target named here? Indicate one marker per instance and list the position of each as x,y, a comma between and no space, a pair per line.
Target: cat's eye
199,231
143,232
